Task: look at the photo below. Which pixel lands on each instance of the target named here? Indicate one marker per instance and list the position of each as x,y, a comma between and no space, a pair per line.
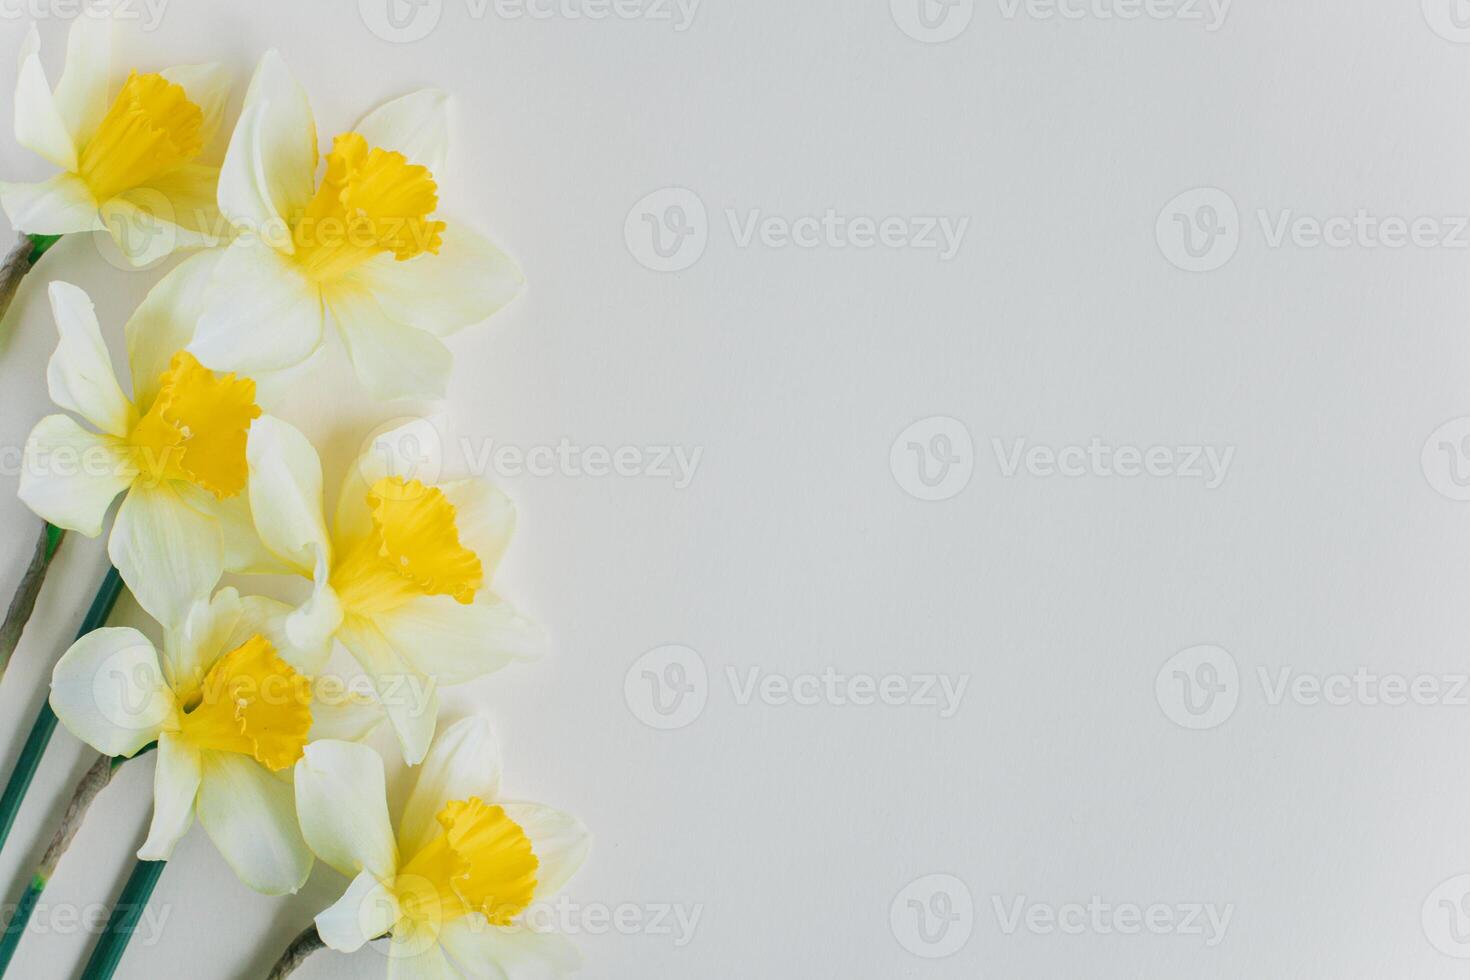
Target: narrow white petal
366,911
286,494
175,786
70,476
79,374
269,172
454,642
163,323
416,125
81,94
169,554
251,817
59,205
260,312
464,761
485,952
39,125
342,801
410,699
559,841
391,358
108,690
469,280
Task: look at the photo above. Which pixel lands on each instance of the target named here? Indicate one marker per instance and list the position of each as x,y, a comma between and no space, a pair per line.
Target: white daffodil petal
185,197
79,374
485,519
201,639
81,94
484,952
208,87
144,234
392,359
108,690
465,283
166,214
261,313
169,554
286,494
415,954
345,719
243,553
464,761
260,616
416,125
342,801
366,911
175,786
410,699
269,172
456,642
59,205
70,476
310,628
251,817
559,841
39,125
163,323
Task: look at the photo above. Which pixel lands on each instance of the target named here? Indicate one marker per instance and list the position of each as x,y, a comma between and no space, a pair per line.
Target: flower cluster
234,692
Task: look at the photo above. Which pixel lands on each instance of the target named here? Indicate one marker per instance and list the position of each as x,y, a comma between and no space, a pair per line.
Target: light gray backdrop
1069,572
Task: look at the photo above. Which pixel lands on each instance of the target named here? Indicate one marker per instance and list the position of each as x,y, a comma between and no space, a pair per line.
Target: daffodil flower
131,159
176,451
401,579
364,243
230,717
451,878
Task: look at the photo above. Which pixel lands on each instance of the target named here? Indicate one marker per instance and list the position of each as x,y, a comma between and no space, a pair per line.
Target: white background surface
793,829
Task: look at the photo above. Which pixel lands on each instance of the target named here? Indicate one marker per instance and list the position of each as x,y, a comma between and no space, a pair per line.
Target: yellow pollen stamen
413,549
152,129
252,702
482,862
196,428
370,201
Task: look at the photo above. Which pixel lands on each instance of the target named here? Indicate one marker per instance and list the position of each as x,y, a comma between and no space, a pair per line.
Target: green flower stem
24,254
124,920
96,779
45,723
24,601
301,947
